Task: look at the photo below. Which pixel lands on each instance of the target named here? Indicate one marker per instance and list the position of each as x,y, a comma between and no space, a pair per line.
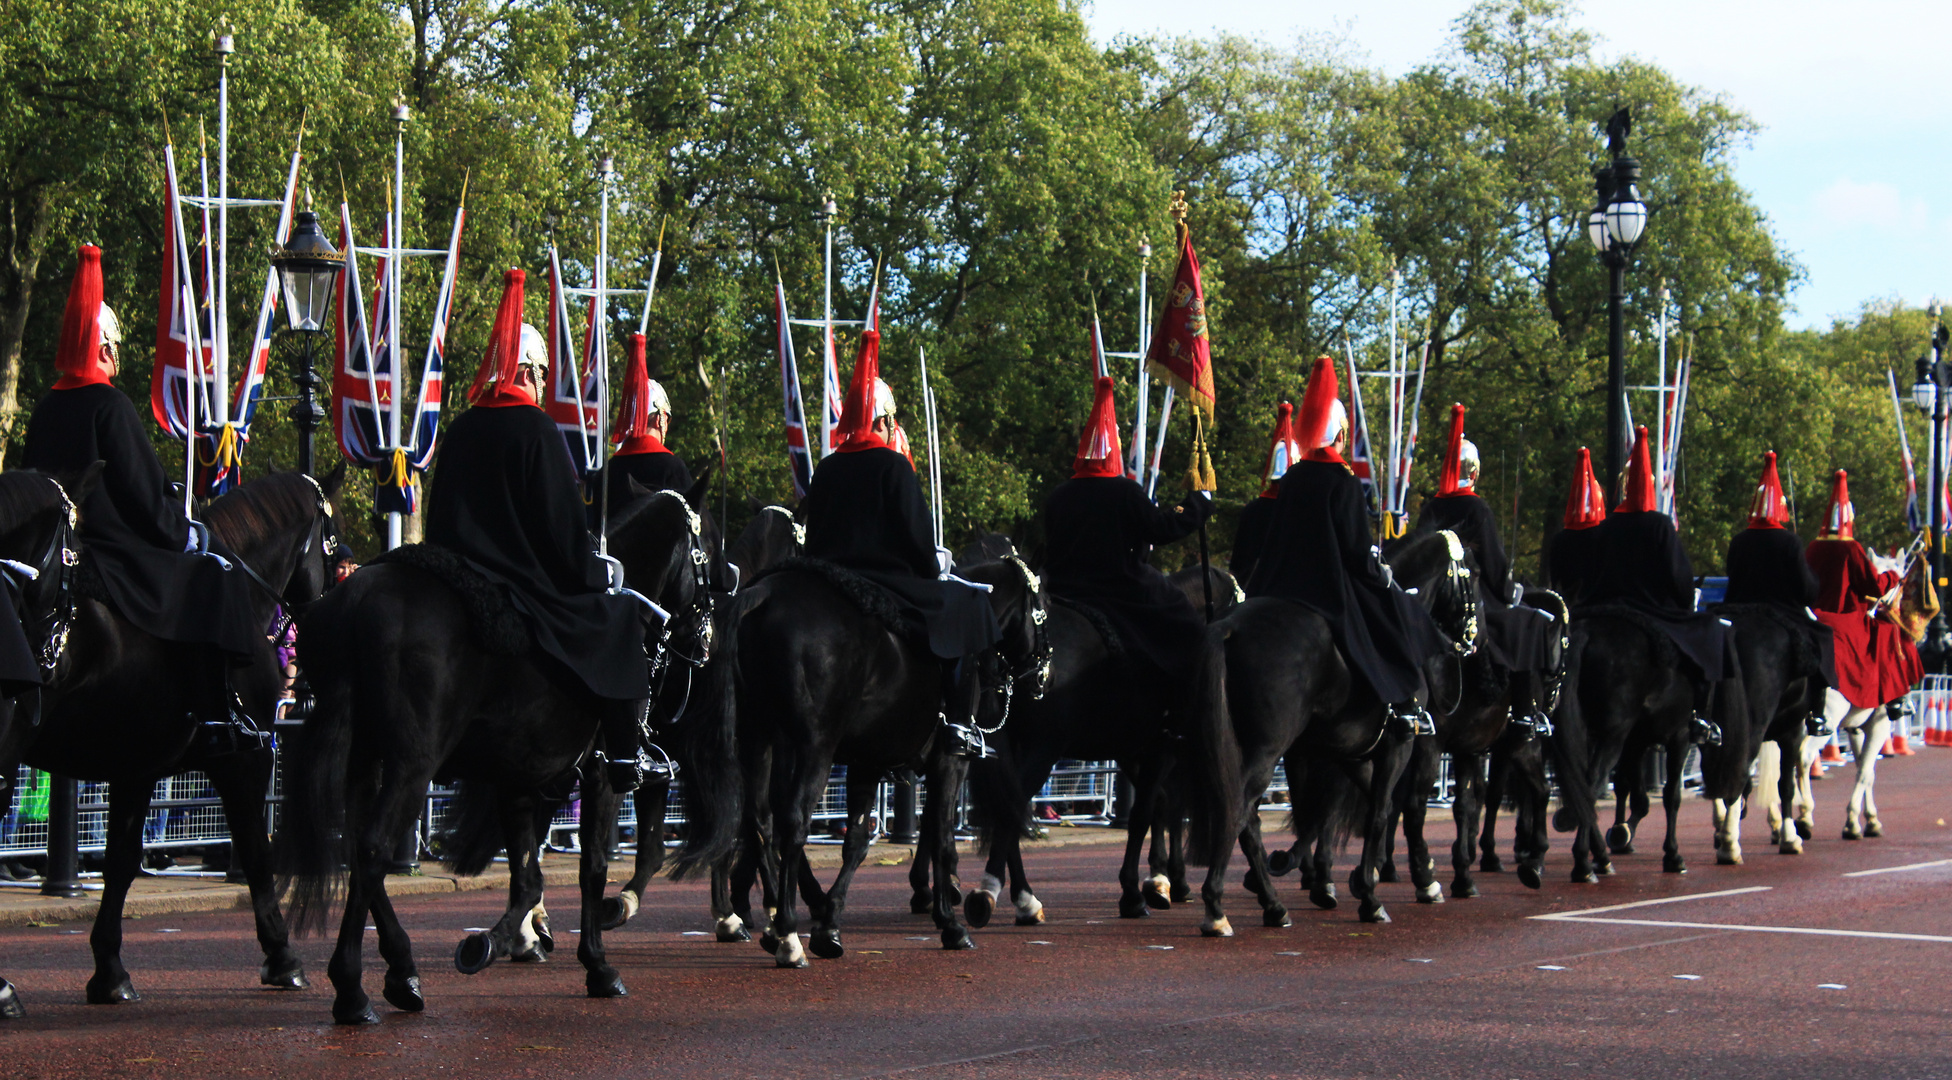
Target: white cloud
1876,205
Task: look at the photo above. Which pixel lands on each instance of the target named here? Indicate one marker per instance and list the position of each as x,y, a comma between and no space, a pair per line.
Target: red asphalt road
1477,988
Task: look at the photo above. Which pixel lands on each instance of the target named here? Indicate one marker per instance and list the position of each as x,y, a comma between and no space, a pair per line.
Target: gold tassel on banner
1199,475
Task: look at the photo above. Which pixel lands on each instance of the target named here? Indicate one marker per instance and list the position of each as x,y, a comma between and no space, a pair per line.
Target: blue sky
1851,151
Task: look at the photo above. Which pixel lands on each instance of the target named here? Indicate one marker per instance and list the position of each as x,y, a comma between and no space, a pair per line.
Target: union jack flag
573,393
795,407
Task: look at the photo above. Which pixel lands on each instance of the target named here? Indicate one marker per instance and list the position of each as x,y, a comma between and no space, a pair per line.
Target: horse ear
330,482
87,482
753,506
637,489
700,487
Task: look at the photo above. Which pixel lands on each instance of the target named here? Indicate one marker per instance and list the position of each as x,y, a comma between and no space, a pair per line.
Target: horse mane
255,512
22,495
1419,555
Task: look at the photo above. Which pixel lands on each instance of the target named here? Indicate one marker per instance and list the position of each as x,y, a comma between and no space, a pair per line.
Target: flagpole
395,263
220,318
827,211
650,287
193,346
606,170
1145,384
1660,413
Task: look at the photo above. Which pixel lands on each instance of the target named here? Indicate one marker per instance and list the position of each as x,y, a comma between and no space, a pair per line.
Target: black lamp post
1929,394
1614,227
308,269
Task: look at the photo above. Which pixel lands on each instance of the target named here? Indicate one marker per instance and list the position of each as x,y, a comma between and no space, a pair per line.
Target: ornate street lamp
1929,393
308,271
1614,227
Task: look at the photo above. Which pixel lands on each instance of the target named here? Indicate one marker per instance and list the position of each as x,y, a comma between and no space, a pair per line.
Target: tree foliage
1000,170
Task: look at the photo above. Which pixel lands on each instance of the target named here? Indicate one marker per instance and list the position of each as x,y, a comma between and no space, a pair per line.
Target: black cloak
1573,562
658,470
1320,553
506,498
133,529
1643,566
1471,519
1250,538
864,512
1099,530
1766,566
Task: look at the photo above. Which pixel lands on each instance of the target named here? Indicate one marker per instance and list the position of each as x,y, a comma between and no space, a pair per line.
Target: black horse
1627,692
771,537
818,680
1782,676
409,688
37,522
1290,694
1097,707
118,709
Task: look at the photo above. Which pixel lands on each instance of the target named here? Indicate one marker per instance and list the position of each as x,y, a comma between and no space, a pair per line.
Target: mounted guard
506,499
1875,662
1320,552
1574,555
1250,535
643,423
151,563
1100,527
865,513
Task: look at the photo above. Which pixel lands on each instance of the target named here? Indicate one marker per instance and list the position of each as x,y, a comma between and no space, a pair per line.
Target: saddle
493,619
871,599
1806,652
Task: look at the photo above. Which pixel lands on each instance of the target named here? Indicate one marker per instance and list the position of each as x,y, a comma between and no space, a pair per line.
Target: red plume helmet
1639,497
1841,522
1586,503
78,355
1098,450
1317,427
494,384
1768,510
1283,450
857,413
1447,480
633,433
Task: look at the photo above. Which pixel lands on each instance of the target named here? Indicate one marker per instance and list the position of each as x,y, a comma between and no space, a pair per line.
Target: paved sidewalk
21,903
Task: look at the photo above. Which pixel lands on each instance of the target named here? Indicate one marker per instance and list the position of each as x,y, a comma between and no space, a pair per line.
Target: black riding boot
223,727
625,762
960,688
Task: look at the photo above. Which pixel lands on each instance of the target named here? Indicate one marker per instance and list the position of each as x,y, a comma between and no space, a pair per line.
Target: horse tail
1214,800
707,749
1567,746
473,834
310,848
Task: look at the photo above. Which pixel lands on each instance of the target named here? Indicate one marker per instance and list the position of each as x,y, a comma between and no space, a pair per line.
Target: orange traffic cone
1830,755
1899,746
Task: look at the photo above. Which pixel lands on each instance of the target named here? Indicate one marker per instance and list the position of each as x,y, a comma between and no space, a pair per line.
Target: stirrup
967,741
1408,723
624,776
662,767
1535,724
1706,731
1817,725
231,735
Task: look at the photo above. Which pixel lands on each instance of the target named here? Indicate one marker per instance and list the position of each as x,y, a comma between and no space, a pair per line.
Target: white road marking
1590,915
1900,869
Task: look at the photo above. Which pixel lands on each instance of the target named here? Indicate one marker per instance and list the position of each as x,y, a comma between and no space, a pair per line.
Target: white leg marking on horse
791,953
992,885
1219,927
525,933
1028,906
731,924
1160,884
630,901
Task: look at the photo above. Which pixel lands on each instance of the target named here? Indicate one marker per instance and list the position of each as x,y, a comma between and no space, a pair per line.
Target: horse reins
1038,663
699,614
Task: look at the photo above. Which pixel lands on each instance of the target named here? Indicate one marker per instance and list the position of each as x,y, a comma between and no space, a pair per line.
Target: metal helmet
884,400
1467,460
535,352
110,326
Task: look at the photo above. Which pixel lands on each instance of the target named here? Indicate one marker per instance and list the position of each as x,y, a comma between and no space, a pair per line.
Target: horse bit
1038,663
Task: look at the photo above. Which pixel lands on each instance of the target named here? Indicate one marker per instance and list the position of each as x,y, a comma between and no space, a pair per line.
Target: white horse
1865,731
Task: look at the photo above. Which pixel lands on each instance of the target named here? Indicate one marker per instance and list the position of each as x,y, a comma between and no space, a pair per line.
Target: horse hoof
1386,872
1604,869
1874,830
1432,893
546,941
1585,877
732,928
356,1015
1132,907
1673,864
1788,848
528,956
978,909
1323,896
287,975
1564,820
1030,910
1372,912
1727,858
955,938
1155,899
790,954
1852,834
111,991
770,943
1619,840
1181,893
604,982
1463,890
1803,830
1219,927
1280,861
1531,877
1276,917
10,1006
1491,864
922,903
826,944
403,993
474,954
617,910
